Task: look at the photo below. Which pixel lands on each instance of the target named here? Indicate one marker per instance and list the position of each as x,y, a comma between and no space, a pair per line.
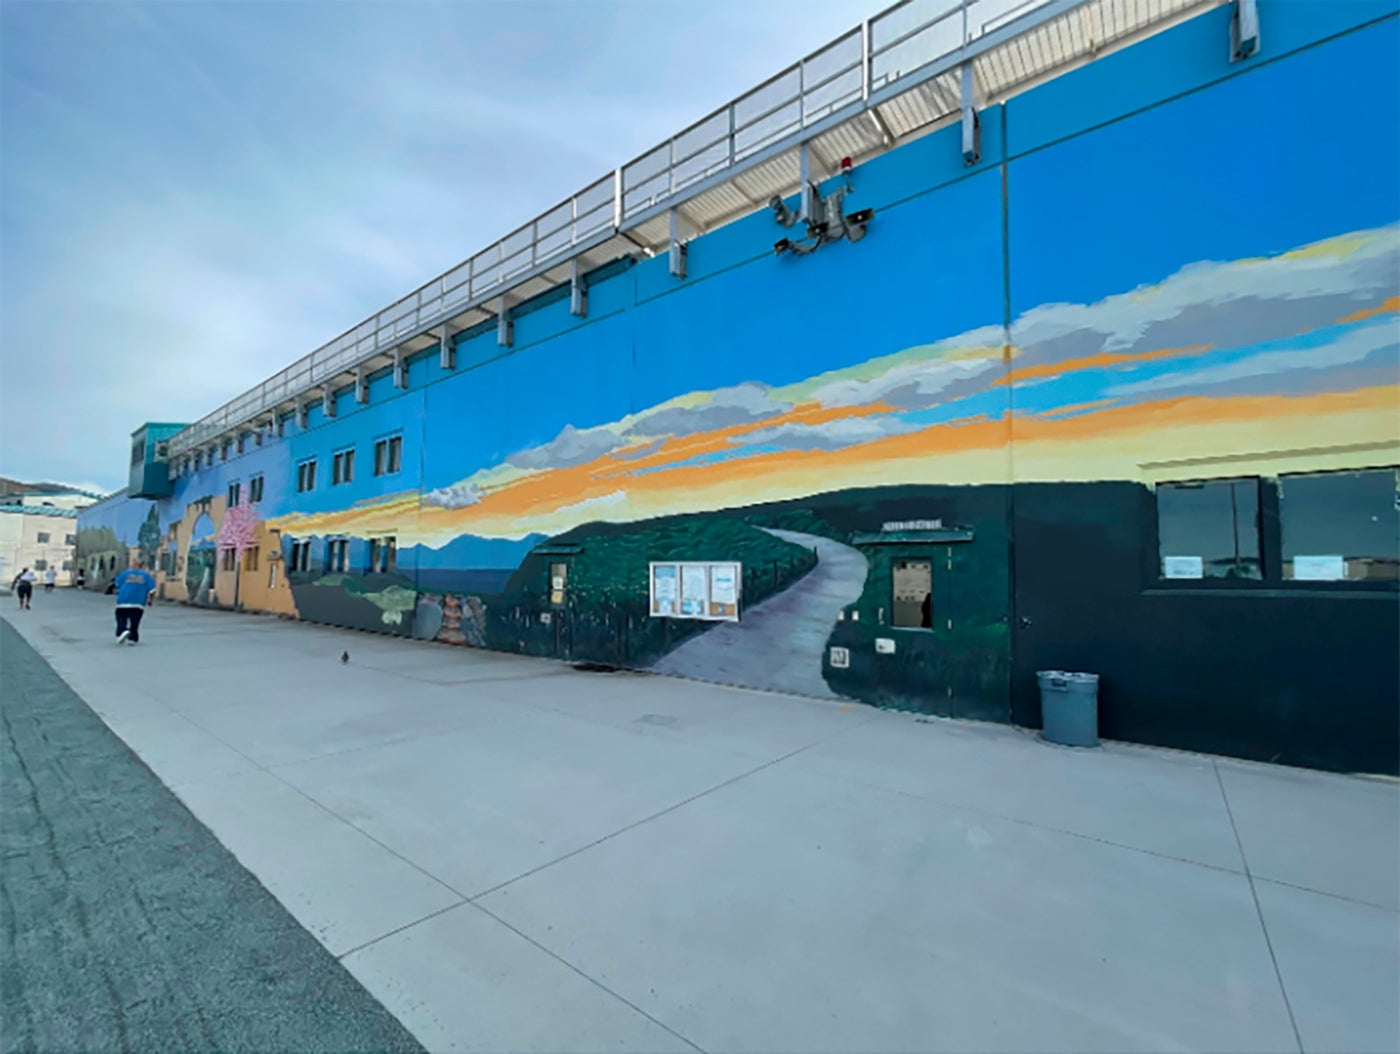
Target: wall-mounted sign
840,658
695,590
692,589
1183,567
1319,568
665,591
912,525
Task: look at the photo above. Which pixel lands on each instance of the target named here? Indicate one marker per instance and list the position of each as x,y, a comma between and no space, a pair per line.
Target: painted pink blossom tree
239,531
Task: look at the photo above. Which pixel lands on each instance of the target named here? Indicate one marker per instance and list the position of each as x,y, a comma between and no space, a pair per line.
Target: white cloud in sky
193,195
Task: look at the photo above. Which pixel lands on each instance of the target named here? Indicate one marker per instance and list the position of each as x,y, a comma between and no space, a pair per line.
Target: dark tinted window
1209,529
1341,525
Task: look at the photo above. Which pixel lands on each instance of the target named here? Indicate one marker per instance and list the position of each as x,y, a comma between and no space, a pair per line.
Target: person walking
50,580
23,585
136,591
81,581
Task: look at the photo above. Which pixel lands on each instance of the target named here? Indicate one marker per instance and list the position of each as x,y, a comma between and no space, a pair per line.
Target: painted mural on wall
1218,357
866,458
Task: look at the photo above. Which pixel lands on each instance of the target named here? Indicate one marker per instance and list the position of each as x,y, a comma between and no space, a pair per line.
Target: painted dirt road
778,645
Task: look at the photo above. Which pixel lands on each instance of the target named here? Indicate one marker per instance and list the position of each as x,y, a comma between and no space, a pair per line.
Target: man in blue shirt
136,590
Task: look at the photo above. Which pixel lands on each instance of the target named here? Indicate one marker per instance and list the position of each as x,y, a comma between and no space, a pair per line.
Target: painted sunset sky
1240,357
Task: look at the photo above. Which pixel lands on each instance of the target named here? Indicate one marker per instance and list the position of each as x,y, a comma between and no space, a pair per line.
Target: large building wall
1166,268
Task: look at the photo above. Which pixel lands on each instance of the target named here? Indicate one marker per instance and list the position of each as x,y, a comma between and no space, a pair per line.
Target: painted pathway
778,645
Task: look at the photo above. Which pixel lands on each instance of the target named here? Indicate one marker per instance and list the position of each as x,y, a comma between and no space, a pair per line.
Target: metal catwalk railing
912,44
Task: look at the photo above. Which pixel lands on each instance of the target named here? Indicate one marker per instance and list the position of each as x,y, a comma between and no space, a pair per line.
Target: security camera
781,212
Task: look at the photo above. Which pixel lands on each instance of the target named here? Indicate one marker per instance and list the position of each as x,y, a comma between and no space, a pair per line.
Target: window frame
306,475
388,454
1271,581
916,558
255,489
235,492
378,546
343,466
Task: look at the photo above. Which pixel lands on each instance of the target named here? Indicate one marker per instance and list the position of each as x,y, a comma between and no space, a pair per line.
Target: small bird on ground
345,656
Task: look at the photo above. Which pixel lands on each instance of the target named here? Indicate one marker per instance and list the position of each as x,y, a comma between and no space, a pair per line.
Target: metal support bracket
301,413
971,122
505,325
328,401
361,386
447,350
805,203
1244,30
400,369
677,246
578,290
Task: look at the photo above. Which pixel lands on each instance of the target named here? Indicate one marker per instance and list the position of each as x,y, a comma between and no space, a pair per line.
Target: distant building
39,528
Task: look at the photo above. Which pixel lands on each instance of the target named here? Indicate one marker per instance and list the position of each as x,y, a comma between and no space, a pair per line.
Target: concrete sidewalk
513,855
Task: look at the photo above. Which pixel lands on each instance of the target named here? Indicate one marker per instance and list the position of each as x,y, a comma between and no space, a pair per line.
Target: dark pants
129,619
25,591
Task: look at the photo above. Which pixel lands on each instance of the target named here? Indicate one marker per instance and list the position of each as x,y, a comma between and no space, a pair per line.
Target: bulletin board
697,590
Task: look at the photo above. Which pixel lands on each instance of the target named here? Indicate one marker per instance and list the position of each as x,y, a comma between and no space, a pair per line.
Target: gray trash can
1069,707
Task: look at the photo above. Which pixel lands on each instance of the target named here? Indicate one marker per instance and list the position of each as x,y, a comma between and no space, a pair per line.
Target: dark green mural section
604,616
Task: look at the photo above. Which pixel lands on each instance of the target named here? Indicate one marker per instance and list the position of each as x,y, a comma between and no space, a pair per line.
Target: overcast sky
194,194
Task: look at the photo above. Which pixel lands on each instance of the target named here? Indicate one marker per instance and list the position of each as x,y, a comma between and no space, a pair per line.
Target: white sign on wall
1183,567
1319,568
695,589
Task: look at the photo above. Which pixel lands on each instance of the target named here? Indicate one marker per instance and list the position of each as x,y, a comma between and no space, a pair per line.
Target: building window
337,555
388,456
383,555
306,476
234,490
42,537
163,450
138,451
1341,525
255,489
230,559
250,560
70,539
1209,529
223,450
343,467
301,557
912,606
68,565
41,565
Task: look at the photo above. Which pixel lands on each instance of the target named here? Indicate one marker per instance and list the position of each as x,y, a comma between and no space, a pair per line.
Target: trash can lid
1078,678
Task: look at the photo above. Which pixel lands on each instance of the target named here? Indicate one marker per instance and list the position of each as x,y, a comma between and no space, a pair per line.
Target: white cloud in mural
913,385
1351,346
457,496
721,408
572,446
1352,270
829,435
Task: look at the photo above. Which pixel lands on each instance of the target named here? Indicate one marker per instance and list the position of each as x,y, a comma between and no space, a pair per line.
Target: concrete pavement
513,855
125,926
